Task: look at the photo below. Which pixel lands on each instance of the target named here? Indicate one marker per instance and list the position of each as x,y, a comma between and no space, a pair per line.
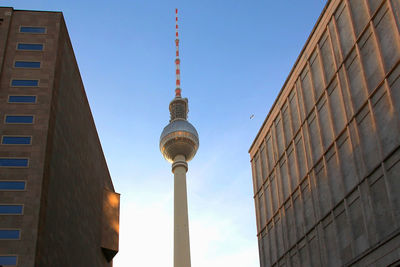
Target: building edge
310,36
109,227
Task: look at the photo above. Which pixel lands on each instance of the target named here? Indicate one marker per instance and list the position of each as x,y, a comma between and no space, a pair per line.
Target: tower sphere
179,137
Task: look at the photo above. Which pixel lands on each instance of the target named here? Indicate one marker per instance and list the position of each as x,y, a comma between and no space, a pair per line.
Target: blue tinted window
8,260
36,47
19,119
12,185
16,140
11,209
9,234
33,29
13,162
27,64
25,82
22,99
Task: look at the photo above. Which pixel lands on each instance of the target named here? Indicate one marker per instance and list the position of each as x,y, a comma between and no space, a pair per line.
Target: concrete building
179,142
326,161
58,206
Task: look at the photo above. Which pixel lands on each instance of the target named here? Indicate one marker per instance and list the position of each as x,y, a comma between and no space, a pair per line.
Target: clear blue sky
235,57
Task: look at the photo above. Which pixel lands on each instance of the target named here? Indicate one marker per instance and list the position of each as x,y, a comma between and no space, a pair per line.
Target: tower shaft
181,222
179,142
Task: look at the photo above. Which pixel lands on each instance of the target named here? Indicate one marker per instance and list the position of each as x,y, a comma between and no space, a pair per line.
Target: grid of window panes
334,144
16,186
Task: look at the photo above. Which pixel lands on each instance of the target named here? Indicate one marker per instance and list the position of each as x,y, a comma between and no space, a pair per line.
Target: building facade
326,161
58,206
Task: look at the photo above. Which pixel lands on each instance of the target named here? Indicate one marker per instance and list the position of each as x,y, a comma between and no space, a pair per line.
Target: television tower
179,142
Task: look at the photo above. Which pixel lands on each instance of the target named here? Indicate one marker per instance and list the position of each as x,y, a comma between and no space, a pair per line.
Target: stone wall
326,161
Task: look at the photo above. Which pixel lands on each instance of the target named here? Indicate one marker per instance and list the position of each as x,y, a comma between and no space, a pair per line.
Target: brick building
58,206
326,161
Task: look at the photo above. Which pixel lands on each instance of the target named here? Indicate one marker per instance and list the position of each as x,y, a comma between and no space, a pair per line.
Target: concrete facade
326,161
181,219
70,208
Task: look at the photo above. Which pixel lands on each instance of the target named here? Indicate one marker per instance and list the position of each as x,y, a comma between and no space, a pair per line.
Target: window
11,209
12,185
33,47
8,260
14,162
19,119
16,140
24,82
27,64
22,99
9,234
32,29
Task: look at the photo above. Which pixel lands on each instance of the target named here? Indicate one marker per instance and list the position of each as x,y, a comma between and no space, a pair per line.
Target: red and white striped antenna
177,60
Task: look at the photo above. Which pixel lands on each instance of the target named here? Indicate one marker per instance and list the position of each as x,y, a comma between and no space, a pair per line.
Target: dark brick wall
9,37
75,173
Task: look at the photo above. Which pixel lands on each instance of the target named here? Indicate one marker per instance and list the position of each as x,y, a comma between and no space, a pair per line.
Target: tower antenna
179,142
177,60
